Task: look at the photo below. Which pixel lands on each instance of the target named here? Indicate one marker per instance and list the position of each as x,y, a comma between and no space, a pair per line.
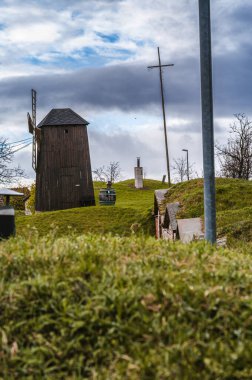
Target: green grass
112,308
231,194
233,205
134,210
133,207
81,300
130,197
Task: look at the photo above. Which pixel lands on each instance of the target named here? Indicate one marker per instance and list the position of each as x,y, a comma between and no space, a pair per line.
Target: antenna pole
34,106
159,66
34,142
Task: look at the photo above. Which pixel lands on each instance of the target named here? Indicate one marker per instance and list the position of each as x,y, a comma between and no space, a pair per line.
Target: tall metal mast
34,145
207,120
163,109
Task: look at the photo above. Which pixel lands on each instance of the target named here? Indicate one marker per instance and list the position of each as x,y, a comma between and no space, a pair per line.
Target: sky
92,56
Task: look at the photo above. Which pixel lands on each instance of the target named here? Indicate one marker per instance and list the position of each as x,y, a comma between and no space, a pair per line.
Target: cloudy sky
92,56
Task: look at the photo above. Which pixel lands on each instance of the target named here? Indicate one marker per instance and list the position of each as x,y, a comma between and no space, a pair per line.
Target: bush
18,202
31,200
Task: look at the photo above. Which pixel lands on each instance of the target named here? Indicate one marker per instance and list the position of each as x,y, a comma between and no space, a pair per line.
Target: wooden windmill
36,132
61,159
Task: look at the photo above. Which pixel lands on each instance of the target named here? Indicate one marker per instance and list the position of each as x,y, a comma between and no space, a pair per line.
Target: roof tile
62,116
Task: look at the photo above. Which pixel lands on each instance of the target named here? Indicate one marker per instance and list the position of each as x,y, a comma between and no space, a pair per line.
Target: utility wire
14,151
20,144
20,141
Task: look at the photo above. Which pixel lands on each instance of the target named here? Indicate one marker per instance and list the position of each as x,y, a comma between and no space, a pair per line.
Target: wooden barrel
107,197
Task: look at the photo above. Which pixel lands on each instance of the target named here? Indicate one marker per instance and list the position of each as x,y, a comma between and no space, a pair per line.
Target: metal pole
34,106
164,118
207,120
160,66
187,163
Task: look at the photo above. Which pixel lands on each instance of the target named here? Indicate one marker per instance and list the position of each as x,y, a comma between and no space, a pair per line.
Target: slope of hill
102,307
96,306
134,210
233,205
133,207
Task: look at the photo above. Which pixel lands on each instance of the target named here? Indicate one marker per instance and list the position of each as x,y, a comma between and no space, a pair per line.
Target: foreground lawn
108,308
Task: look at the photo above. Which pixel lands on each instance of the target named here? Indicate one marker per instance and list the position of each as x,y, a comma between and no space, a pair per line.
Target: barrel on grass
7,214
107,196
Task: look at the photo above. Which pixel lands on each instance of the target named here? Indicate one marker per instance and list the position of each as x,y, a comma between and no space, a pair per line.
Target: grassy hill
102,307
133,206
78,305
233,205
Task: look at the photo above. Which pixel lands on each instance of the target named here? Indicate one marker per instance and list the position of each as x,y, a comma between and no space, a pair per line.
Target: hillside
133,206
97,307
233,205
134,210
80,305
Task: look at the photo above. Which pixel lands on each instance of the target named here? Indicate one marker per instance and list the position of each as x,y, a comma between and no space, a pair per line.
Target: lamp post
187,163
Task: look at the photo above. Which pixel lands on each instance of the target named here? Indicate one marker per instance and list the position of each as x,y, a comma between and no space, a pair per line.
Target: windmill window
66,131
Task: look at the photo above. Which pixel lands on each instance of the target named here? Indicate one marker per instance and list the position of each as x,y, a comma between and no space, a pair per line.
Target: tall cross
163,108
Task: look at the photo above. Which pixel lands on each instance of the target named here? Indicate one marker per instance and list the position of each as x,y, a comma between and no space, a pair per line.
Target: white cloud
26,35
41,39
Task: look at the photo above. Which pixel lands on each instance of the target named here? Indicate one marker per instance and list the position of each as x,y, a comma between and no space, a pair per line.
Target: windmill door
66,191
69,192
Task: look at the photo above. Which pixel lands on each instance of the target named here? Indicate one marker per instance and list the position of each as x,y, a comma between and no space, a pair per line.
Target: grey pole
164,119
207,120
187,163
160,66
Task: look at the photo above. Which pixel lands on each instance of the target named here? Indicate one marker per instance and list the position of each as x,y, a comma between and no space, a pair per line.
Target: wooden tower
61,160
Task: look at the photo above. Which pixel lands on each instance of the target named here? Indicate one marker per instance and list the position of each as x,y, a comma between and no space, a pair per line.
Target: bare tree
110,173
236,157
8,174
179,169
99,174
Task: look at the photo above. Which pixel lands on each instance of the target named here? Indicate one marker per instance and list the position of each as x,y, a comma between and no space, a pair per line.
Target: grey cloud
132,87
24,159
125,87
236,19
233,82
124,148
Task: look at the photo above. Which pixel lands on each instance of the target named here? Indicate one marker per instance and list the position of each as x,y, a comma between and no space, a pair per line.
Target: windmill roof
62,116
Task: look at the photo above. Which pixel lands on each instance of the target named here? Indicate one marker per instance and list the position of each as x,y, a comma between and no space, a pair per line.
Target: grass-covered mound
100,220
133,207
130,197
92,307
233,204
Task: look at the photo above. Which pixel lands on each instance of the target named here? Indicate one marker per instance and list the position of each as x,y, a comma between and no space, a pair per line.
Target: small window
66,131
